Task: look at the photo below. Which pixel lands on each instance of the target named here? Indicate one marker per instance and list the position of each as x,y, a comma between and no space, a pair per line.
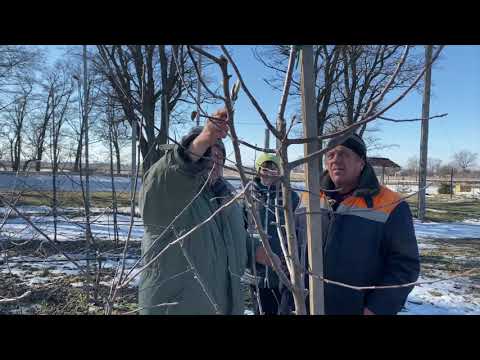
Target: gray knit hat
194,132
353,142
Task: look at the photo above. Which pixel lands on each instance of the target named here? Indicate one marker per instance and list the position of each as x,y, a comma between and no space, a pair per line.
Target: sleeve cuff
184,162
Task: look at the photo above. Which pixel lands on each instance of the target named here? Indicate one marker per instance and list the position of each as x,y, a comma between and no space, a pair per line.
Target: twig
352,127
114,286
206,54
294,118
288,81
263,236
199,279
15,299
406,120
150,307
2,198
250,96
169,226
188,233
281,237
376,287
200,78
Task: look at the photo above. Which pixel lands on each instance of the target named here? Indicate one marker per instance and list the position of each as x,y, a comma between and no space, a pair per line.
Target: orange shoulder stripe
385,201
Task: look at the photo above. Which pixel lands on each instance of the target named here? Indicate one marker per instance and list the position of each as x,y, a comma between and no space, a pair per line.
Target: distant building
380,164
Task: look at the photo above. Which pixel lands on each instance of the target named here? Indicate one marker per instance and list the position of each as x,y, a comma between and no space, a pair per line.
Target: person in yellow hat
266,181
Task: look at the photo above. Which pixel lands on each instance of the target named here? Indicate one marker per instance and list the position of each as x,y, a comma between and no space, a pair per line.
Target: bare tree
413,165
433,166
445,170
373,111
56,90
465,159
145,80
15,62
39,125
15,120
349,80
112,127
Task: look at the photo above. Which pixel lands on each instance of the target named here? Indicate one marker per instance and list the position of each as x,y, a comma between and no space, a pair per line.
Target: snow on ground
424,246
64,182
70,182
403,188
457,296
102,226
49,269
71,229
450,297
451,230
472,221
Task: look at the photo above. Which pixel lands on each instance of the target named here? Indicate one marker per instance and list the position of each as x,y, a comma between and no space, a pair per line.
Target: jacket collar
264,188
368,185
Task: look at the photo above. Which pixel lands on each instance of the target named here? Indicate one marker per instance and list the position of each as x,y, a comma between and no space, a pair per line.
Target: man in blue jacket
368,235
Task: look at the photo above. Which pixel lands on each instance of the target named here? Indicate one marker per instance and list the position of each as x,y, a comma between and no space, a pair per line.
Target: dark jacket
369,239
217,250
267,195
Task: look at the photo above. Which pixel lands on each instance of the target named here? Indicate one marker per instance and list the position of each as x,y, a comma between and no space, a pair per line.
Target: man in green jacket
200,274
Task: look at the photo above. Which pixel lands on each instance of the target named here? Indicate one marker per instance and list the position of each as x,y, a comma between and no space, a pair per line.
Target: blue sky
455,90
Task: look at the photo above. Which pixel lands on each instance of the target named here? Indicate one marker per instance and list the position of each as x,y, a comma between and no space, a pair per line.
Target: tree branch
407,120
360,123
200,78
270,127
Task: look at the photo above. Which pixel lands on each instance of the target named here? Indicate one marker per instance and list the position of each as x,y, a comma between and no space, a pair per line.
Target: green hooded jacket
219,250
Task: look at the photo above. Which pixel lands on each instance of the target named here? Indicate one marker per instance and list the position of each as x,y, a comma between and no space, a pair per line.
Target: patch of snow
409,189
37,280
13,271
437,211
443,298
472,221
64,182
66,271
72,229
424,246
451,230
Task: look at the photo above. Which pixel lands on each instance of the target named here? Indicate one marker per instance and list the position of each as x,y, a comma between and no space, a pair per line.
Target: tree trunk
148,146
43,130
117,155
320,126
16,154
38,162
39,158
78,155
114,193
11,155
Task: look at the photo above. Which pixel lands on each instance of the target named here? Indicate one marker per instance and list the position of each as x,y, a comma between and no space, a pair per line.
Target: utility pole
422,181
85,114
451,183
312,178
267,139
55,159
87,167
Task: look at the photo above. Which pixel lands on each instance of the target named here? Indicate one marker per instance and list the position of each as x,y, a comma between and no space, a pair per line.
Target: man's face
344,166
269,173
217,162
